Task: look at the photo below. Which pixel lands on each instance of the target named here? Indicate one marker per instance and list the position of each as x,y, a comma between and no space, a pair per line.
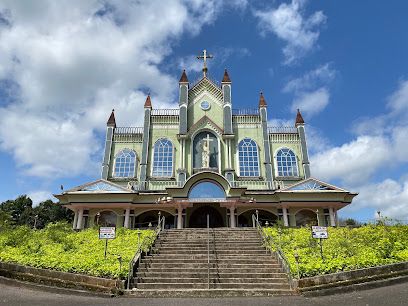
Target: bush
58,247
345,249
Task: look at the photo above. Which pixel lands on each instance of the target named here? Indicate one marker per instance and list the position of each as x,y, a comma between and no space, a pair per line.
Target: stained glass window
125,163
286,162
163,158
248,158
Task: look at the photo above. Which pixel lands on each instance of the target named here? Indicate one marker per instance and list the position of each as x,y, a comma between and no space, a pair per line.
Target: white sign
107,232
319,232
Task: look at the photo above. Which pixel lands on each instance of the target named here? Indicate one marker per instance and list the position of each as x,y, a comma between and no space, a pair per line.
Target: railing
245,112
282,130
208,250
165,112
138,255
253,185
153,185
283,261
128,130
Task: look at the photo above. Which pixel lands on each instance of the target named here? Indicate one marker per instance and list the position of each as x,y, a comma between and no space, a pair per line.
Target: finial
204,57
226,78
299,119
183,78
111,120
262,101
148,103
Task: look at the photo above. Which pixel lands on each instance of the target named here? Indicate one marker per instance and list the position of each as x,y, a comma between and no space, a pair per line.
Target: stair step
240,269
195,274
213,280
212,285
207,292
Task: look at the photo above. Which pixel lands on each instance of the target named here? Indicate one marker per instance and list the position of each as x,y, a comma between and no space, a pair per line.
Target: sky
64,65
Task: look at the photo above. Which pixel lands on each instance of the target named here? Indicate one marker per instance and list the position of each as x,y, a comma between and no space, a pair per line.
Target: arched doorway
198,218
151,218
245,219
306,217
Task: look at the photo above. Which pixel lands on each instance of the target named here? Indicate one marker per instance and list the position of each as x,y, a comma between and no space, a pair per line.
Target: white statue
205,153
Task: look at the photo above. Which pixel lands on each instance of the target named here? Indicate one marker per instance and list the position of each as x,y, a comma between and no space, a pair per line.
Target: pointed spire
262,102
111,120
226,78
183,78
148,103
299,119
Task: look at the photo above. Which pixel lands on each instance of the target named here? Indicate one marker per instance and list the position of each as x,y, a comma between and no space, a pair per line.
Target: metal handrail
208,249
283,261
137,257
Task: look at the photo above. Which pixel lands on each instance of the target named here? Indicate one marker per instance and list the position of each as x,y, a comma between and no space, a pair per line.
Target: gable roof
99,186
202,123
312,184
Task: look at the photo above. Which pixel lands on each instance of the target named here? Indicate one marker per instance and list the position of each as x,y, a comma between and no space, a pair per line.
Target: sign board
319,232
107,232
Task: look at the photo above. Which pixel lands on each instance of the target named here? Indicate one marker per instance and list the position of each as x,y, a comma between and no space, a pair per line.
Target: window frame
115,161
277,165
172,159
257,157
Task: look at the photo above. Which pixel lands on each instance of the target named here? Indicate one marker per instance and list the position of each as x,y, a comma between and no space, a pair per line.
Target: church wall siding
295,147
117,147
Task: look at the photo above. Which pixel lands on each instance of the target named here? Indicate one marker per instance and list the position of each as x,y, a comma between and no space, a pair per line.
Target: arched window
125,163
286,162
163,158
248,158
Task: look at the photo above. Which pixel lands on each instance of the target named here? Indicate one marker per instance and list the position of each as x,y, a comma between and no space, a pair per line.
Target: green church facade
205,158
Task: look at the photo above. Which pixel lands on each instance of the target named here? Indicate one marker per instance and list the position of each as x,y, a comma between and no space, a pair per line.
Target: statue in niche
205,152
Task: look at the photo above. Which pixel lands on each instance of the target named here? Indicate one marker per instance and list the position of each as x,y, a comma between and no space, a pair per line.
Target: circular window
205,105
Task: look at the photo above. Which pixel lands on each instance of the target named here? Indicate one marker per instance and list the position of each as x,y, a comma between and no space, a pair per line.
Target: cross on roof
204,57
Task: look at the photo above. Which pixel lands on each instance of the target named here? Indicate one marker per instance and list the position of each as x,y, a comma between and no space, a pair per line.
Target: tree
48,211
19,209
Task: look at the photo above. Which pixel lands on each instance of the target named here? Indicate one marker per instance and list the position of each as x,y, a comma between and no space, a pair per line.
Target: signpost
107,233
320,232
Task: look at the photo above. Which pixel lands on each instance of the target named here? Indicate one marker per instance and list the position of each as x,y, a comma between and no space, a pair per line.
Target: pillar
179,217
285,216
80,217
110,127
232,216
145,142
74,224
127,216
265,135
332,217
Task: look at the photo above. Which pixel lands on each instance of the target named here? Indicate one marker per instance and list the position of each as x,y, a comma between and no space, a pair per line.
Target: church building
205,158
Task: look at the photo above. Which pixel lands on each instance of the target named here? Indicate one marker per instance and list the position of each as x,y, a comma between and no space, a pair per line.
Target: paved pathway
395,295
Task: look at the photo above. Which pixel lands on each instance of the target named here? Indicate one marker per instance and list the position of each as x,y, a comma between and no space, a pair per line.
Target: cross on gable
204,57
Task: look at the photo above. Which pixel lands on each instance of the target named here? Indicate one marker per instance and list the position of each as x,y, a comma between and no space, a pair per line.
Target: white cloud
289,24
311,103
322,75
73,61
389,197
352,162
39,196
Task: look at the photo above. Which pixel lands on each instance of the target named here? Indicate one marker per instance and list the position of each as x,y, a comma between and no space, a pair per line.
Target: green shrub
345,249
58,247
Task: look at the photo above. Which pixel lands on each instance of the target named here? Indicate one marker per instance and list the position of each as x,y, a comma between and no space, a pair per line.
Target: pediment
312,184
205,123
99,186
205,86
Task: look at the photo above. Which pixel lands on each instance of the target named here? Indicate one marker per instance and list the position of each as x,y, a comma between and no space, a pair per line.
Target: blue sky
64,65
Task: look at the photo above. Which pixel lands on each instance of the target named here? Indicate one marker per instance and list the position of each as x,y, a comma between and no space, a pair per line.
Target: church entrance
198,218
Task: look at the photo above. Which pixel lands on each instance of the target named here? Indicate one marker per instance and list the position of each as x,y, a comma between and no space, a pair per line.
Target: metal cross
204,57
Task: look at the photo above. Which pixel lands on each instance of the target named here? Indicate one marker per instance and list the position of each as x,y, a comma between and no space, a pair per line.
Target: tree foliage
21,212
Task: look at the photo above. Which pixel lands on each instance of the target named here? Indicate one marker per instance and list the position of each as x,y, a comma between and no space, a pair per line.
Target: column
74,223
285,216
232,216
332,218
80,217
179,217
127,216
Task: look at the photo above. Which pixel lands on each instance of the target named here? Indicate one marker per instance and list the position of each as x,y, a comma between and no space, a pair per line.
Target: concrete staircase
239,265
